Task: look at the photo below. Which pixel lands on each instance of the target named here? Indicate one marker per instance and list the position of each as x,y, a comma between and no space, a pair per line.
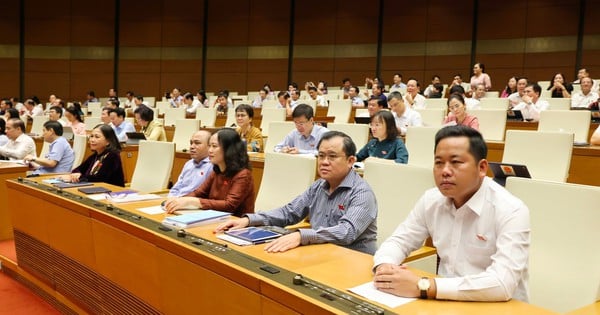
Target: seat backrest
494,103
276,188
311,103
358,132
492,94
559,103
361,112
94,108
546,154
207,116
571,121
544,84
184,129
340,109
436,103
397,188
231,121
266,104
433,117
161,107
564,260
270,115
153,166
173,114
79,147
91,122
492,123
37,127
150,100
420,143
277,132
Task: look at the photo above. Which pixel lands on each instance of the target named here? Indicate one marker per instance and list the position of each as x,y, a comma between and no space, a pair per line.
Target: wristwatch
423,284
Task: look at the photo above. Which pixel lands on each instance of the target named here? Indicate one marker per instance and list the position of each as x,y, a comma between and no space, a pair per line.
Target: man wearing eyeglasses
304,139
340,206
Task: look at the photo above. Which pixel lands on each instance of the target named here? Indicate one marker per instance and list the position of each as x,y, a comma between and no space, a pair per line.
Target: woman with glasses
104,165
230,187
385,143
249,134
458,113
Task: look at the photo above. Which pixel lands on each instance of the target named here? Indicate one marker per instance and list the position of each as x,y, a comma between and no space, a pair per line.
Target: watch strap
424,292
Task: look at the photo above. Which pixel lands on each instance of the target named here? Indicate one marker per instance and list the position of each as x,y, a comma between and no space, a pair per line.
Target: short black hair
303,110
54,125
146,113
246,108
477,146
188,96
119,111
536,88
57,109
349,146
457,89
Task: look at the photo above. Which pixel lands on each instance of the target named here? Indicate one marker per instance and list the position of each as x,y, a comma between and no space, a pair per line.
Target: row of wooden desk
95,259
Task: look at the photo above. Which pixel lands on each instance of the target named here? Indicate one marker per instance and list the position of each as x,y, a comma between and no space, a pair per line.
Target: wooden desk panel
592,309
7,171
173,277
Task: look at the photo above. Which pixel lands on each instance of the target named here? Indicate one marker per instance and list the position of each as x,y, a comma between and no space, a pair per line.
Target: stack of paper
189,220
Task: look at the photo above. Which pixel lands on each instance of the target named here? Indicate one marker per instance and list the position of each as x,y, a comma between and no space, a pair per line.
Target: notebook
135,137
94,190
193,219
251,235
503,170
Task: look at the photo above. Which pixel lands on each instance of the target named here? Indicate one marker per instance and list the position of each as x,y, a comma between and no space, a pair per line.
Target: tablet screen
253,234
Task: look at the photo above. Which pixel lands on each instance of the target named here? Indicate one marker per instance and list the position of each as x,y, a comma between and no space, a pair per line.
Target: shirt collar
476,202
202,162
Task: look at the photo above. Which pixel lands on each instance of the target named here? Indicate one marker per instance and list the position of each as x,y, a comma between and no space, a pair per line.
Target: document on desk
152,210
369,291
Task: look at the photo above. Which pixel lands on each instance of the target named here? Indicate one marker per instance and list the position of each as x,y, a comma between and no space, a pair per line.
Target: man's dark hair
188,96
395,95
18,123
140,98
477,146
58,110
303,110
92,93
284,94
380,101
536,88
344,80
119,111
349,146
54,125
312,88
457,89
355,87
114,101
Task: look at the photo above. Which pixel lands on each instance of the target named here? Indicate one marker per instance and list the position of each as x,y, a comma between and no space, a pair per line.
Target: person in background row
230,186
517,97
3,137
559,87
19,144
129,103
74,120
397,82
353,95
586,98
385,143
458,113
340,205
250,135
90,98
404,116
532,105
104,165
119,124
511,87
481,231
201,96
306,136
197,169
412,98
11,113
435,79
60,156
191,104
375,104
55,114
480,77
152,129
262,96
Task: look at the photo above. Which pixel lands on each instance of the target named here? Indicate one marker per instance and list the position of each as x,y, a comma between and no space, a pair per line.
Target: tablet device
362,120
514,115
71,185
254,235
135,137
503,170
94,190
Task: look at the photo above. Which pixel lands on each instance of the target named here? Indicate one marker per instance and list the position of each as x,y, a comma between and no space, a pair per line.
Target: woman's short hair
75,112
234,152
245,108
109,133
390,123
146,113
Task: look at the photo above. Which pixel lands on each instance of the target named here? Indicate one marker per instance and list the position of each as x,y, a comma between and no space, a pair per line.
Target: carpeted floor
16,299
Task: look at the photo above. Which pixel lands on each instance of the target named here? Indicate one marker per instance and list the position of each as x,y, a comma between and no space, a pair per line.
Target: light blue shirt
191,177
305,145
122,130
61,152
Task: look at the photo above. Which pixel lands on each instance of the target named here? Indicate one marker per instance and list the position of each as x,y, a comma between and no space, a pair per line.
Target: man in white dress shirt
19,145
532,105
412,98
481,231
516,97
585,97
404,115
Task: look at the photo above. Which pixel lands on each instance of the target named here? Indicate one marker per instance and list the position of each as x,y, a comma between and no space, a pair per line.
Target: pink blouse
484,79
78,127
470,121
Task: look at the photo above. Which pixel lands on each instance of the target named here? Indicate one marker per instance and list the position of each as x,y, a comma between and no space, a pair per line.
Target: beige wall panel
146,84
9,83
403,21
141,25
43,84
501,19
228,23
315,22
449,22
269,23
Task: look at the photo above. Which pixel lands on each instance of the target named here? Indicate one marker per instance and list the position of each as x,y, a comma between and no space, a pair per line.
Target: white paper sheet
368,291
152,210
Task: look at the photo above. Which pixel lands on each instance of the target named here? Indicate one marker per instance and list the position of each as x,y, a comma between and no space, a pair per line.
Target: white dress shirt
483,246
418,101
409,118
579,100
532,110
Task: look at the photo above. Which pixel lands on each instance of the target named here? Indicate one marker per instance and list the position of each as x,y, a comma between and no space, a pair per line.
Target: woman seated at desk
104,165
152,129
252,135
385,143
74,120
230,187
458,113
